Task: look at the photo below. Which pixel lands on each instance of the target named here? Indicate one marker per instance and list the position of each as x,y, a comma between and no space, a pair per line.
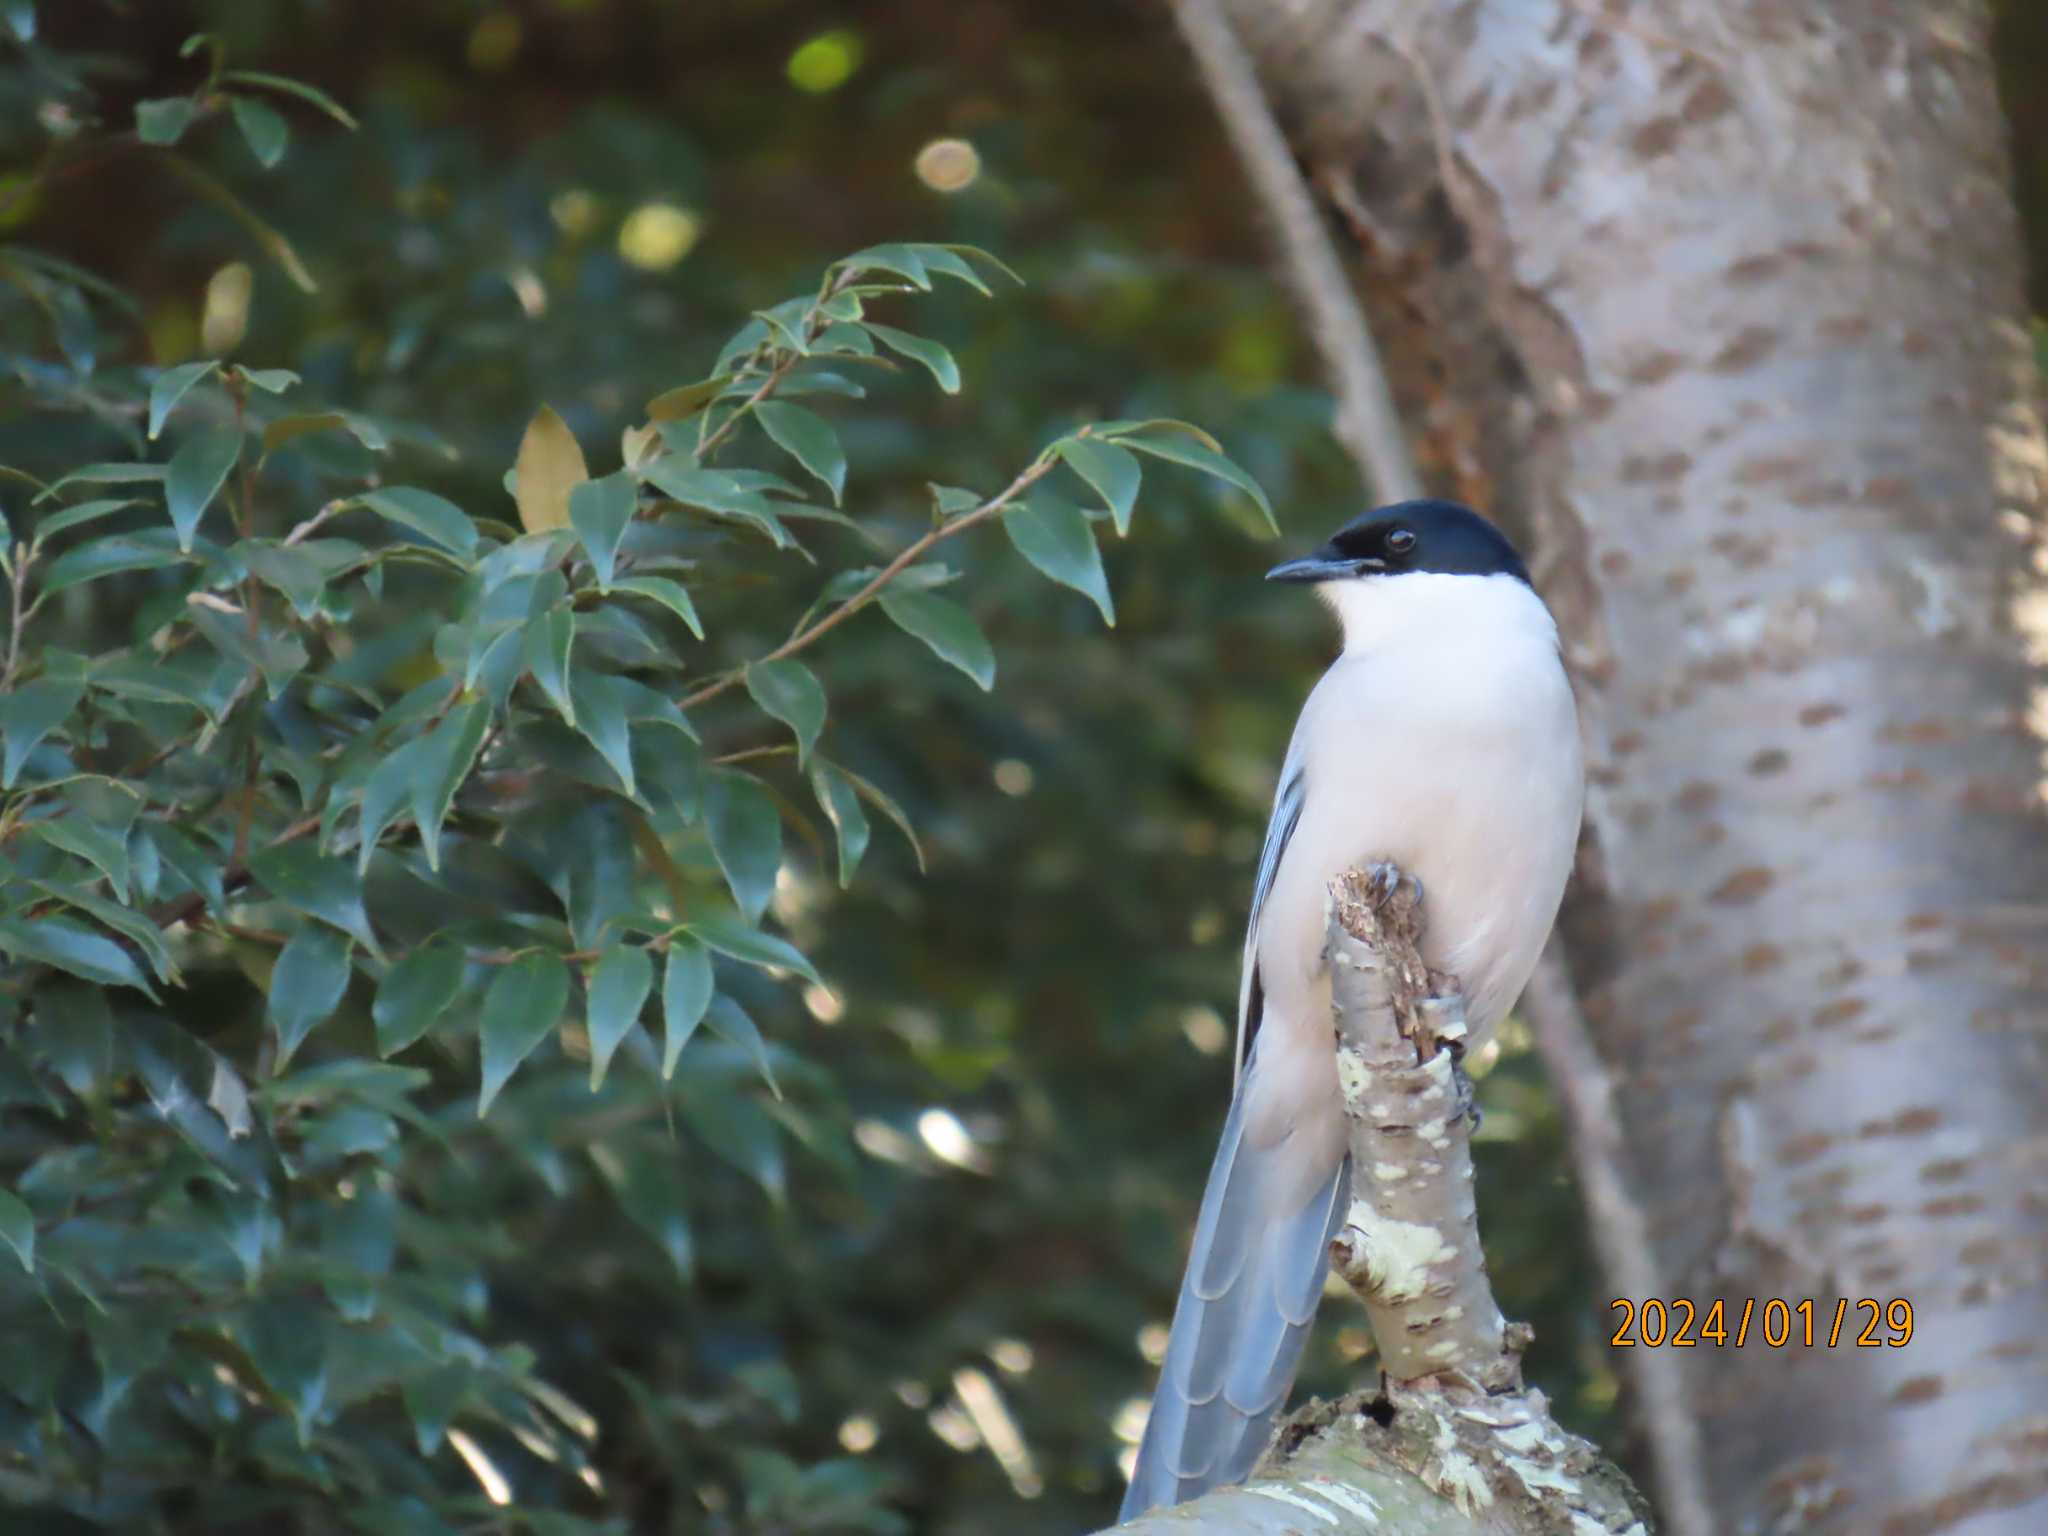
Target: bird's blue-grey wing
1246,1305
1287,803
1254,1274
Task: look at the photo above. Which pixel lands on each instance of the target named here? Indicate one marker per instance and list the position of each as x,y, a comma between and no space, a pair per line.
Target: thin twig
1367,422
333,507
710,443
707,444
748,754
169,914
17,580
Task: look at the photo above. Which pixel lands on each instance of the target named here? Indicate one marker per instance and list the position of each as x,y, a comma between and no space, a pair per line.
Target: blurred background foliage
930,1306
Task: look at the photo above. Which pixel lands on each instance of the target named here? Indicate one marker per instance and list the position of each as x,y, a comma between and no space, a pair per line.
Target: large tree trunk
1721,300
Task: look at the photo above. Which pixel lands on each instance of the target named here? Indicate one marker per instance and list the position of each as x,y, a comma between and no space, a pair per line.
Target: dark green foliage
527,972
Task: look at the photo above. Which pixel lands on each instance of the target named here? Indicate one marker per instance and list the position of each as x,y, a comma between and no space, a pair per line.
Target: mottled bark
1410,1241
1723,299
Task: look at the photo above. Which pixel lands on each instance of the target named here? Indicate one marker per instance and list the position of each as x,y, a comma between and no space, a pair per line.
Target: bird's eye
1401,540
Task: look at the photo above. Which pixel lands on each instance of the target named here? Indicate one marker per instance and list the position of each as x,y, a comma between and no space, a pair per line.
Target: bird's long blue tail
1253,1279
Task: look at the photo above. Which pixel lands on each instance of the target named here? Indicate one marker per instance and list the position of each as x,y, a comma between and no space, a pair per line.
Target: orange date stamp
1865,1323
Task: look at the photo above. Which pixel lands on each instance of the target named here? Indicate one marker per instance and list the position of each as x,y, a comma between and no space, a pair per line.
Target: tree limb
1451,1442
1367,422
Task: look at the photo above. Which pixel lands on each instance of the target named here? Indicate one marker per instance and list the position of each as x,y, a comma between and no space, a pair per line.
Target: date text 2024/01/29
1680,1323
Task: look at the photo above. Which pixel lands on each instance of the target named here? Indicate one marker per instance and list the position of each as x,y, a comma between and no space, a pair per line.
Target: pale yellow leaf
549,467
639,444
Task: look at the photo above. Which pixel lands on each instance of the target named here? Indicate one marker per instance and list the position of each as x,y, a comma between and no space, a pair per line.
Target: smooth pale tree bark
1718,302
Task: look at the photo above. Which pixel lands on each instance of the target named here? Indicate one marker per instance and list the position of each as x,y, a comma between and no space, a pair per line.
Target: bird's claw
1461,1085
1383,883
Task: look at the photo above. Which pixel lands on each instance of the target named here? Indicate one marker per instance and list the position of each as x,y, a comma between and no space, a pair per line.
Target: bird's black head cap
1434,536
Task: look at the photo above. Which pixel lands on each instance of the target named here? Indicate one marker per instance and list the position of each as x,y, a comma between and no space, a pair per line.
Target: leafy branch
806,634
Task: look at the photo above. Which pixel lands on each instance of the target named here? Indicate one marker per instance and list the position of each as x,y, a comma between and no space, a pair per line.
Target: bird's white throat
1430,608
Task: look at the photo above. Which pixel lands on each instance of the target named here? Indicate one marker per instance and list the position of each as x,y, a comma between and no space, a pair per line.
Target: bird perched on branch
1443,739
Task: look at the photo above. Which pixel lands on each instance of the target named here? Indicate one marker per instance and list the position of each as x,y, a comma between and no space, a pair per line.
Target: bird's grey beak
1322,566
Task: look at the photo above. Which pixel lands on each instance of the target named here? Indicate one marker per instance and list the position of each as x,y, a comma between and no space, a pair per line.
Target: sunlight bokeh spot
574,212
656,236
948,165
825,62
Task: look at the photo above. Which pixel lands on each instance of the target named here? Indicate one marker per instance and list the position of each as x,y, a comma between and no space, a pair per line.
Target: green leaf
101,474
742,941
735,1127
263,130
730,1021
670,594
388,787
947,628
129,676
599,511
887,805
746,837
18,1227
112,555
952,501
133,926
431,516
30,713
1124,429
978,254
306,985
1053,534
548,639
84,512
841,805
813,380
431,1400
618,987
197,471
686,400
365,431
792,694
921,349
446,756
716,493
602,719
169,388
163,120
104,849
298,88
785,320
292,569
941,259
71,946
524,1003
302,877
272,381
288,1342
278,654
685,994
414,993
1111,470
645,1182
809,439
197,866
1195,456
905,261
274,244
